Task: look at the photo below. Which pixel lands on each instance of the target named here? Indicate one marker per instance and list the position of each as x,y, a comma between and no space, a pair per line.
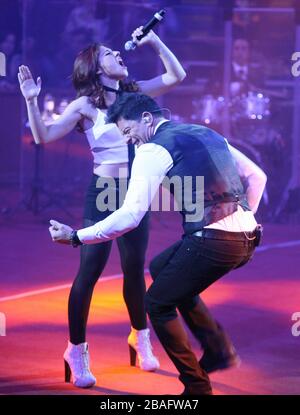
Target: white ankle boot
140,346
77,362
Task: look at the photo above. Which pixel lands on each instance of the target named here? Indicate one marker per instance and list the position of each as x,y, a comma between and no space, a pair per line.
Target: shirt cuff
88,235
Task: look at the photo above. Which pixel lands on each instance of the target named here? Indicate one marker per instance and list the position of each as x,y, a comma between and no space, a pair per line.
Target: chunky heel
132,354
67,372
140,350
77,364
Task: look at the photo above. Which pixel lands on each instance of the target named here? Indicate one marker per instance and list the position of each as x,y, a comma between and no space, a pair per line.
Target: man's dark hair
131,106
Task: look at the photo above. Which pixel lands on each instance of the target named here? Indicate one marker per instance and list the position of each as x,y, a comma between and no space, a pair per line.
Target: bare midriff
112,170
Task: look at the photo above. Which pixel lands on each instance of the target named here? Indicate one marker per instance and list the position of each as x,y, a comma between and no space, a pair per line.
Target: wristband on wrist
74,240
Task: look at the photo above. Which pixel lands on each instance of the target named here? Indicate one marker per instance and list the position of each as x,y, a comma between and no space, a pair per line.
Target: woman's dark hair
86,80
131,107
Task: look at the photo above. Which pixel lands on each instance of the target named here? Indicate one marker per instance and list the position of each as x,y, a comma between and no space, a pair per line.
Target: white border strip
57,288
51,289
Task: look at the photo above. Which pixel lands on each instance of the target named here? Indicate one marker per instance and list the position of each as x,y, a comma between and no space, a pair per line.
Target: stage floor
255,304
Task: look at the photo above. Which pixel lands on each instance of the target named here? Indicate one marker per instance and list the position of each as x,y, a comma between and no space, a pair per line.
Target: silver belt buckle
198,233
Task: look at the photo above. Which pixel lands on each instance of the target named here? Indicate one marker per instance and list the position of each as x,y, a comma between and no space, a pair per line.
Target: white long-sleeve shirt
151,164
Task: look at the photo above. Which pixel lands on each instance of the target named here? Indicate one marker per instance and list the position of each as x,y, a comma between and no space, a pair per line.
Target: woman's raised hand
151,37
29,88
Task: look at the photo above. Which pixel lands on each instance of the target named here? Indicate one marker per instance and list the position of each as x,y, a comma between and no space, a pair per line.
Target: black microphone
131,45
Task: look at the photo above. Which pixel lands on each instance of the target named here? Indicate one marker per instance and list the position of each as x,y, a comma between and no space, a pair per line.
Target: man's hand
60,233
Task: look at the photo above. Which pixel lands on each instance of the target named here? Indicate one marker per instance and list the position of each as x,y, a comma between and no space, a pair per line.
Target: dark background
46,35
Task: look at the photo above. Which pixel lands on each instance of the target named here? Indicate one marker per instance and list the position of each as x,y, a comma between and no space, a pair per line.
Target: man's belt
210,233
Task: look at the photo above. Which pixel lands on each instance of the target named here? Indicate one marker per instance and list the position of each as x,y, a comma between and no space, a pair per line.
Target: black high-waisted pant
180,274
93,258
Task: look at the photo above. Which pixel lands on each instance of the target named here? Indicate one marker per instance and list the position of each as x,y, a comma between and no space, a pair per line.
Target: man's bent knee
159,313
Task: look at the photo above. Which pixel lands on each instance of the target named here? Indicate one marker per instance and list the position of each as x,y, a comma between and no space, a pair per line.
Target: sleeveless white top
107,144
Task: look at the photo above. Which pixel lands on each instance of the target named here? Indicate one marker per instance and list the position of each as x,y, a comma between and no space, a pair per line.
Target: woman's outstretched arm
60,127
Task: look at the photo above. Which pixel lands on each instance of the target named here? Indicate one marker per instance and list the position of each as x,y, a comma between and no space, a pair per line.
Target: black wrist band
74,240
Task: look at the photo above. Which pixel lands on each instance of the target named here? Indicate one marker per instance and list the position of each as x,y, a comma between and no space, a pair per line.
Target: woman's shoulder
85,106
82,102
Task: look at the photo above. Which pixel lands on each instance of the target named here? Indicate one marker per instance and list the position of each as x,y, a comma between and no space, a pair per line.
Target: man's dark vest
199,151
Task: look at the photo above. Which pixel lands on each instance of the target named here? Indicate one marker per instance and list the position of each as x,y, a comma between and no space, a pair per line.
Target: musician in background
245,75
49,115
62,105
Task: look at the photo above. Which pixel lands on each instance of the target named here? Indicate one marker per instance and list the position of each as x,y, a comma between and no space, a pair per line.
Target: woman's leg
93,259
132,247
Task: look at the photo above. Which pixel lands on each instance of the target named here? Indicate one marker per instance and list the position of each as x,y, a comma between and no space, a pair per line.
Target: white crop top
107,144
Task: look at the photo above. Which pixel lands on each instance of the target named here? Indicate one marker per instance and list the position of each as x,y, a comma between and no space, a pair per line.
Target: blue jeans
180,274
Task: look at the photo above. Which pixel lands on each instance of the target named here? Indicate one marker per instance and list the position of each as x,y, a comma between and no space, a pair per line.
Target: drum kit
251,131
249,114
254,106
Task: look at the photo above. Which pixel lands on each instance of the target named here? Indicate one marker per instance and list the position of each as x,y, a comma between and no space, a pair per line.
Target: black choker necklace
108,88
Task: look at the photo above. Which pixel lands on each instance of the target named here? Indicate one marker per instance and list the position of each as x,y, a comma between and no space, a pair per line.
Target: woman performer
99,75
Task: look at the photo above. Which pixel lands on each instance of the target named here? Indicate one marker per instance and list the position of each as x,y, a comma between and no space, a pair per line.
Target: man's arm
255,178
150,166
